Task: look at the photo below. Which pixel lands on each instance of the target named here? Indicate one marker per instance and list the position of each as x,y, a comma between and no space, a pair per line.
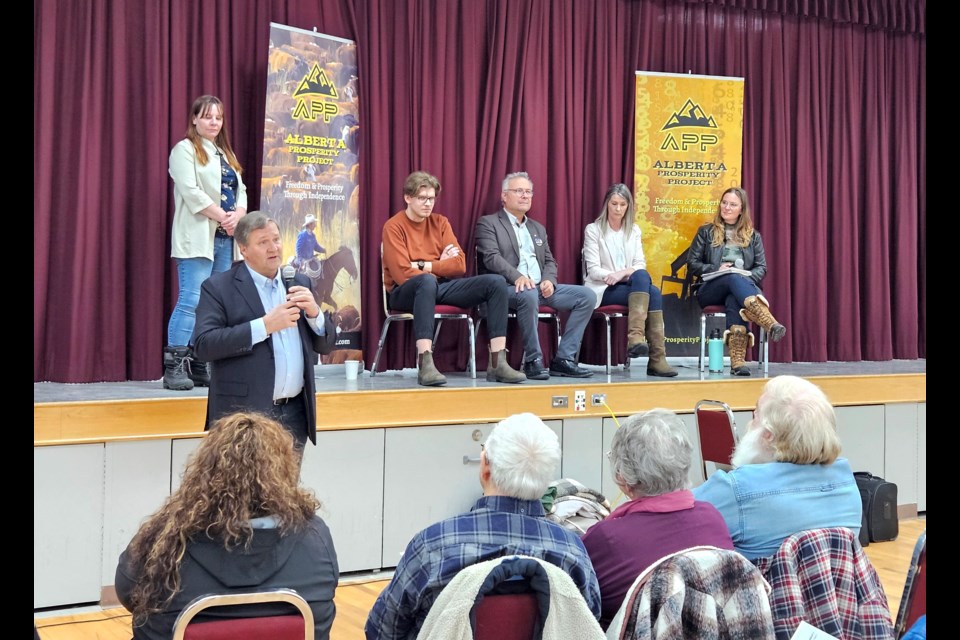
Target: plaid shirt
496,526
824,577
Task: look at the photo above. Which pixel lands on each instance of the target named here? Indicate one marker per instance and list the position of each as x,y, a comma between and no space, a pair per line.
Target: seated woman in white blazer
615,269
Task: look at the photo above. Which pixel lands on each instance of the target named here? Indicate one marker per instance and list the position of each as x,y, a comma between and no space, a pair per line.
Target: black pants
421,294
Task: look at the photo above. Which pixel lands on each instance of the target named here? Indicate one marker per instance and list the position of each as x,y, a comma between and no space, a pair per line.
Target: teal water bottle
715,351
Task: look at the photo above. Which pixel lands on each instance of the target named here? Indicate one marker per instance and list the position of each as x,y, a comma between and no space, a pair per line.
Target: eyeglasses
426,199
730,205
521,192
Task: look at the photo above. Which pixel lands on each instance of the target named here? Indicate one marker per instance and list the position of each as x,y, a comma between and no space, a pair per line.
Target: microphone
738,263
287,274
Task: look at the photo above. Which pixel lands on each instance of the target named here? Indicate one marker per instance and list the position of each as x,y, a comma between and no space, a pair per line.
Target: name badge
537,241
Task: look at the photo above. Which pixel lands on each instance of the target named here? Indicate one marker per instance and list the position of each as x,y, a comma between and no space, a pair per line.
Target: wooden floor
354,601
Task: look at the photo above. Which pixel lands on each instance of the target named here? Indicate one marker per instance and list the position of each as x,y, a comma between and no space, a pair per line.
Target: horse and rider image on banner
311,165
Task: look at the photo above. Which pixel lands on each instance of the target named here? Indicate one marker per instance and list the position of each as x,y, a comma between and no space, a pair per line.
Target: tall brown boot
427,373
757,310
499,370
637,303
657,363
737,338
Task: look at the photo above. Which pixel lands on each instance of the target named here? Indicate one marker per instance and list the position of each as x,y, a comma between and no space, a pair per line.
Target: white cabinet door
67,524
922,457
345,470
583,451
900,444
862,437
430,473
137,482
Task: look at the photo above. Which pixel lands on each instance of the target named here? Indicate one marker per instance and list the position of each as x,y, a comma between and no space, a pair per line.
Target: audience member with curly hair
238,521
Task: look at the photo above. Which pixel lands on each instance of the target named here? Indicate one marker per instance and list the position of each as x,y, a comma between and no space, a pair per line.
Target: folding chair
913,603
717,429
607,312
544,312
294,626
441,312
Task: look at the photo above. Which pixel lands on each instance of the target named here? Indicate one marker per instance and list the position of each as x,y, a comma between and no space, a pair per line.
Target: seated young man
518,461
423,265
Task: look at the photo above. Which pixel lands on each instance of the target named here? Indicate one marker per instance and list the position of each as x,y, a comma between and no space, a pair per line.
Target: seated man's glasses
521,192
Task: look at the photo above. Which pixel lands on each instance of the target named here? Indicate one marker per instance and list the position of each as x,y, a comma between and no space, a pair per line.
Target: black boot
199,371
176,365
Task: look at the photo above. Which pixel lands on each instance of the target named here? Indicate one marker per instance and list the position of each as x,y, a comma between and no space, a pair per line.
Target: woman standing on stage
730,243
209,198
615,269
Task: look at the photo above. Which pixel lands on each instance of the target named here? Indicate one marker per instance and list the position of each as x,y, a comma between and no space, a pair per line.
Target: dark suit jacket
498,251
241,377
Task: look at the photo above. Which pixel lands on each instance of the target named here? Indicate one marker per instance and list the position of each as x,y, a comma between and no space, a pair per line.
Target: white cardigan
569,616
598,259
196,187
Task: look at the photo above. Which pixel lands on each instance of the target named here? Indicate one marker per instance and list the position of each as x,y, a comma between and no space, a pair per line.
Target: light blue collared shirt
528,257
287,350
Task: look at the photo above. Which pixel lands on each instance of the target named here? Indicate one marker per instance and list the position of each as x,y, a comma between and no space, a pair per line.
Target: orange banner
688,143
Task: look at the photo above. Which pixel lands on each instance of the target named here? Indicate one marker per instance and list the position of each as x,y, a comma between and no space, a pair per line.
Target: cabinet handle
469,459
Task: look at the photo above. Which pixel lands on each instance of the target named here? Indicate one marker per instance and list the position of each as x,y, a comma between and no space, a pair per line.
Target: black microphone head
738,263
287,274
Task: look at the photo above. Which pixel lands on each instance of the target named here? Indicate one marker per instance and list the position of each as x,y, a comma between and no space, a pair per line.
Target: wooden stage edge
58,423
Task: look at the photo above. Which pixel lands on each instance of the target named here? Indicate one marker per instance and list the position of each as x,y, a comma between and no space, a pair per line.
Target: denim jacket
763,504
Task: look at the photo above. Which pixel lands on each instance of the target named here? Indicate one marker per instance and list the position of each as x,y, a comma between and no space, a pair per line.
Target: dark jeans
639,283
730,291
421,294
293,417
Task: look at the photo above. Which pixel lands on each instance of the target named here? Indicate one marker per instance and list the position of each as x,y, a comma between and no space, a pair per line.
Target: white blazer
598,259
196,187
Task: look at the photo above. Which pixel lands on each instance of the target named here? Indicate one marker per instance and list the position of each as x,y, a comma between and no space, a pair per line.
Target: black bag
879,507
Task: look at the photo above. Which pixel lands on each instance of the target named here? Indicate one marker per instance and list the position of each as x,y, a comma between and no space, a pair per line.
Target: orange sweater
405,241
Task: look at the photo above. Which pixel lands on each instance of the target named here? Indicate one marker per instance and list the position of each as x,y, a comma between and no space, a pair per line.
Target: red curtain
834,147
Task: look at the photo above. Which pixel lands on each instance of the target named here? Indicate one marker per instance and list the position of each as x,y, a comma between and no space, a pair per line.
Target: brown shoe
498,370
756,309
637,304
737,338
657,362
427,373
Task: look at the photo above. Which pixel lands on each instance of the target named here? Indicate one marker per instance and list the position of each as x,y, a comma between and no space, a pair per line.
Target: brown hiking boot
637,303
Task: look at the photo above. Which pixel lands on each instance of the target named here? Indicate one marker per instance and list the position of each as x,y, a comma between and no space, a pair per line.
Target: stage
136,410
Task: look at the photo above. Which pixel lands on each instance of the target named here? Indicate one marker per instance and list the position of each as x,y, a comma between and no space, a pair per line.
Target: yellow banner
688,143
311,166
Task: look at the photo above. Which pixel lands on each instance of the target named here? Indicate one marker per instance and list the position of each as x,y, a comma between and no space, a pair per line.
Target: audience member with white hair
518,461
788,475
650,460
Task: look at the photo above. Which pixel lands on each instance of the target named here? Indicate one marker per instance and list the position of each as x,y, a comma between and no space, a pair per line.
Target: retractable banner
311,165
688,143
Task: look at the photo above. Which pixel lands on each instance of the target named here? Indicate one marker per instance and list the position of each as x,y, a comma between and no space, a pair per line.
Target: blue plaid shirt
496,526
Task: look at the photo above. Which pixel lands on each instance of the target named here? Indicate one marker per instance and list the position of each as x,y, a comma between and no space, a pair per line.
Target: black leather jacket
703,257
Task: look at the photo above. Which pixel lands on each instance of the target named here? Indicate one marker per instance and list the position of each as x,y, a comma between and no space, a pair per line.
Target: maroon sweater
621,548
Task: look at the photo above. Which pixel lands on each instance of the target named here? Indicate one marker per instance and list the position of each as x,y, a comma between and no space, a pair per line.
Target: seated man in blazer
512,245
261,333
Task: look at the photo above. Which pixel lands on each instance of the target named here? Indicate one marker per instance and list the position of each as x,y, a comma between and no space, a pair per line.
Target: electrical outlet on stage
579,400
598,399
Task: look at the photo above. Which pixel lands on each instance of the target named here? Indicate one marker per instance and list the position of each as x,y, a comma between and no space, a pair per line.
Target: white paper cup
352,369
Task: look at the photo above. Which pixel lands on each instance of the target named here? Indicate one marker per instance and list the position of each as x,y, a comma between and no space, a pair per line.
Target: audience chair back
295,626
607,312
509,616
913,603
441,312
719,311
717,431
824,577
698,593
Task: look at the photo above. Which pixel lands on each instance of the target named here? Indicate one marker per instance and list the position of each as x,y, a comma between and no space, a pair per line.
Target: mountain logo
690,115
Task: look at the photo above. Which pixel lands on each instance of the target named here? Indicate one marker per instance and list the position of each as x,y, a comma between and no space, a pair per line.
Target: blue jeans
730,291
639,282
191,272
